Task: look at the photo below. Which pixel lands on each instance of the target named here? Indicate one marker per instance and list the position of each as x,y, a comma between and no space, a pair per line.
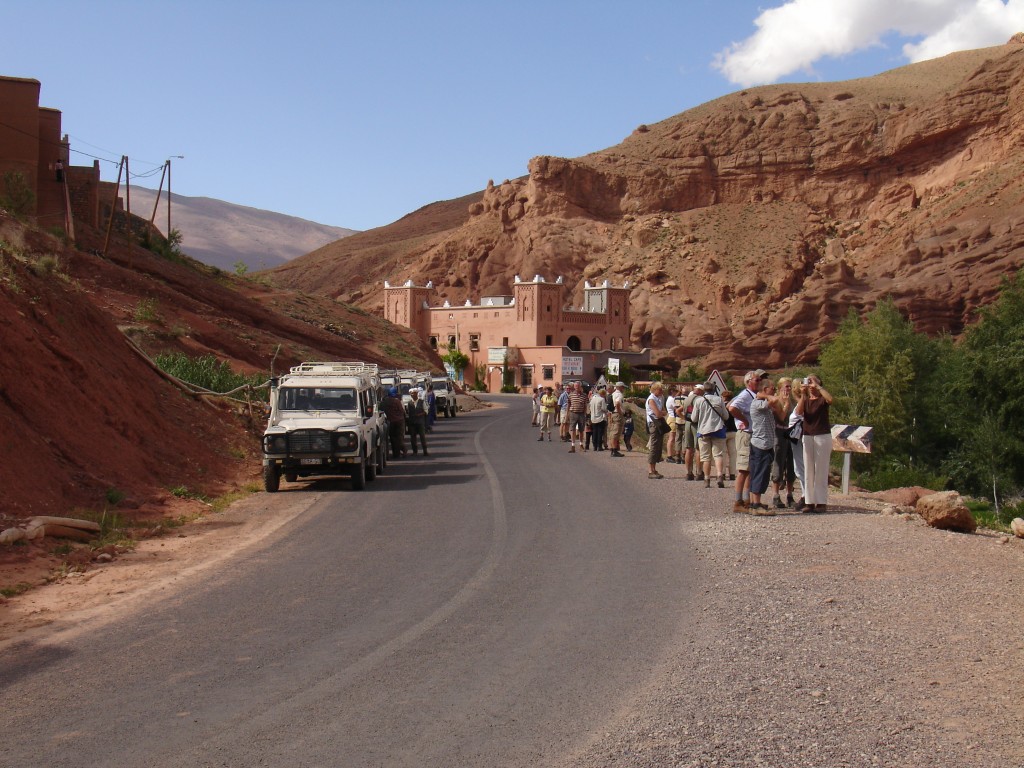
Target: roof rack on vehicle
334,369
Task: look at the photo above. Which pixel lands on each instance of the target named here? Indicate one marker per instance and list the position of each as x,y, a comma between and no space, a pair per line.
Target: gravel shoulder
847,639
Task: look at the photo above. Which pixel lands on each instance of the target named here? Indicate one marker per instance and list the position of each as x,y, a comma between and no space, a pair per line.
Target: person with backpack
709,415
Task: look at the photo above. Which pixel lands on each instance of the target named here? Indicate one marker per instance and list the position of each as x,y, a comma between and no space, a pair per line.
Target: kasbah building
534,332
34,155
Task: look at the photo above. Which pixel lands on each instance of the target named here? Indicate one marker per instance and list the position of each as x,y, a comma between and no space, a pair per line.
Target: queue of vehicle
326,420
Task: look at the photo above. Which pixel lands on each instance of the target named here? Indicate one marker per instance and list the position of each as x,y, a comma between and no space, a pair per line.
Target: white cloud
795,35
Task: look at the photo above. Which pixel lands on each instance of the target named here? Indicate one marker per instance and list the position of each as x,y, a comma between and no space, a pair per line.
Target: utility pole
113,202
180,157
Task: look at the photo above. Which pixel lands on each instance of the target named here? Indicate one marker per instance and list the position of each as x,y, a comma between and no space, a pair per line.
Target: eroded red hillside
86,419
751,225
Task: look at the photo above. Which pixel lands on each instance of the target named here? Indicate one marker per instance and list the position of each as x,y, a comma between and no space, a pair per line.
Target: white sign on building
613,366
572,366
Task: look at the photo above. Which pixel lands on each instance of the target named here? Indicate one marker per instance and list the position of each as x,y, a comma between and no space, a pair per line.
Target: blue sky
356,113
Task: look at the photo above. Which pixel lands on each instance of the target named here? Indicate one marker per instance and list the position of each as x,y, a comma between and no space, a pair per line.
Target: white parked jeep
444,393
323,421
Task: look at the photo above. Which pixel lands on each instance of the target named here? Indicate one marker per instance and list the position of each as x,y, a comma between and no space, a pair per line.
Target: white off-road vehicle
324,420
444,394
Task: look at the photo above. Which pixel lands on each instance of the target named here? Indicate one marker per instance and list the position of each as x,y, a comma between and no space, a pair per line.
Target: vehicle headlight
347,441
275,444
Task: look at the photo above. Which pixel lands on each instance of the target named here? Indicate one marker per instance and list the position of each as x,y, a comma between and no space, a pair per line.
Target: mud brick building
533,334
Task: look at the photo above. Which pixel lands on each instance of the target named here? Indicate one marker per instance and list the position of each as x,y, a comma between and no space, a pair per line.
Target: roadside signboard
849,439
716,379
572,366
613,366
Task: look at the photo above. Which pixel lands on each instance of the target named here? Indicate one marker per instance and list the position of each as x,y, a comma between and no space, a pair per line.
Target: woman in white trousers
813,405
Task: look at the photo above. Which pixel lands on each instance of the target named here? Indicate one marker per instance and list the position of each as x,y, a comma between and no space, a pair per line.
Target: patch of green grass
183,492
146,311
114,496
20,588
985,514
205,371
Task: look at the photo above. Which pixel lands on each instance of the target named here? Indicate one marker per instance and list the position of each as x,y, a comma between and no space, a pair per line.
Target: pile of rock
944,510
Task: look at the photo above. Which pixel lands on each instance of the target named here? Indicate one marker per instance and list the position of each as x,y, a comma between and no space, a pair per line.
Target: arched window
595,343
573,343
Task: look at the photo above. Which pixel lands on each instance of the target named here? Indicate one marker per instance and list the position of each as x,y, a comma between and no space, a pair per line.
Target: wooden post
161,189
846,473
113,204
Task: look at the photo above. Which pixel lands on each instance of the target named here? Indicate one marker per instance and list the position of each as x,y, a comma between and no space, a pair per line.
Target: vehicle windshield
317,399
406,386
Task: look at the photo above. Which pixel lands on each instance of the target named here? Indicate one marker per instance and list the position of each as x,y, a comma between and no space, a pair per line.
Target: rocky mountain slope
222,234
751,225
89,425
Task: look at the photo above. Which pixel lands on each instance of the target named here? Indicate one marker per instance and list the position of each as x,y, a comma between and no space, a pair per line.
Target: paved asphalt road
500,603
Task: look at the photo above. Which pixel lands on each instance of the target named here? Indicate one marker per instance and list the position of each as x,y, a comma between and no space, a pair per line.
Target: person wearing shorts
739,407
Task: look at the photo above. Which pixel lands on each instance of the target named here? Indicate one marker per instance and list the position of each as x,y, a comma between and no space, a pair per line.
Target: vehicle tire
271,478
371,469
359,477
455,410
291,477
382,457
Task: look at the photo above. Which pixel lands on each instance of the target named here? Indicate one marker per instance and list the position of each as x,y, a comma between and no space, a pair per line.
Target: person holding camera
813,405
765,411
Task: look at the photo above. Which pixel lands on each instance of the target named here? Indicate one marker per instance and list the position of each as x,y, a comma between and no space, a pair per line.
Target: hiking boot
777,503
707,482
789,501
541,438
700,475
572,449
721,482
732,477
761,510
655,476
689,476
739,506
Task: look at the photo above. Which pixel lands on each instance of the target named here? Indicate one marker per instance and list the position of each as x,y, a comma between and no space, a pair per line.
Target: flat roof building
530,338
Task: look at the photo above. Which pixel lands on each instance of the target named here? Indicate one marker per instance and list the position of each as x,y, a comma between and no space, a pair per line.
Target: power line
157,166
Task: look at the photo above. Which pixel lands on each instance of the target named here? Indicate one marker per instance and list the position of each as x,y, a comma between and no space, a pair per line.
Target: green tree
987,396
18,197
876,369
456,359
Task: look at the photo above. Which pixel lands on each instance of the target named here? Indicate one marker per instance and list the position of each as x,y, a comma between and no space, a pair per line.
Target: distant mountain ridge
221,234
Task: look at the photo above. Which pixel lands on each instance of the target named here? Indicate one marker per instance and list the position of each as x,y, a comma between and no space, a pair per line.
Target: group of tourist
770,434
587,417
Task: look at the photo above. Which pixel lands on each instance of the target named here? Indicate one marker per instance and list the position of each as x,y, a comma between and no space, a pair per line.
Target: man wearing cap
392,406
547,412
739,407
617,419
416,418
